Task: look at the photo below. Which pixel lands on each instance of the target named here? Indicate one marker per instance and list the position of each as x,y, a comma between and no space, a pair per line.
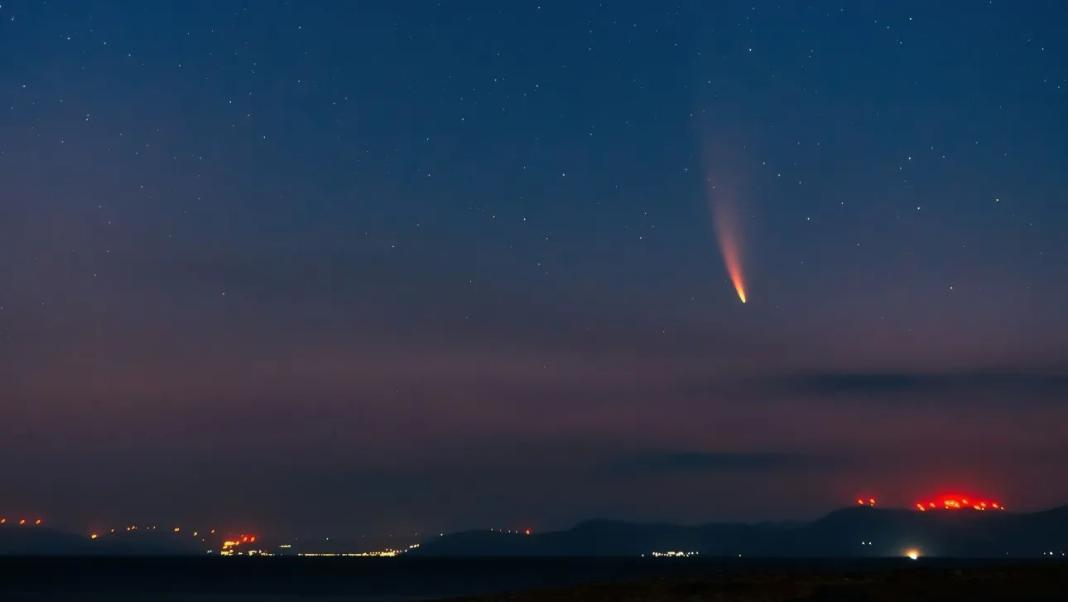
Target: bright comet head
740,290
727,234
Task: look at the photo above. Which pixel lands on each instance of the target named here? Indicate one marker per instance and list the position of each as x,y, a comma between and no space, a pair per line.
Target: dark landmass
1006,583
849,533
858,532
287,579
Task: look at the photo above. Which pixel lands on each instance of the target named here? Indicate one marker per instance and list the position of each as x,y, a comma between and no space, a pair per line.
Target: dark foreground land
913,584
523,580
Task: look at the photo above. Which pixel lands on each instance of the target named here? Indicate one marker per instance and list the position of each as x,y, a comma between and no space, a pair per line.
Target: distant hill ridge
850,532
854,532
43,541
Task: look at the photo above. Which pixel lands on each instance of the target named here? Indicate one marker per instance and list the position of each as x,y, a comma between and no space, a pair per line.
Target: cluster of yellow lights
248,552
386,553
233,547
674,554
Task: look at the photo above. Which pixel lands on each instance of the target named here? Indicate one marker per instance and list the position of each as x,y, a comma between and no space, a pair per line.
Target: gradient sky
373,266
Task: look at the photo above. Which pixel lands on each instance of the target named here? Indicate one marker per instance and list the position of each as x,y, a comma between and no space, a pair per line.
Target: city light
386,553
674,554
233,547
912,554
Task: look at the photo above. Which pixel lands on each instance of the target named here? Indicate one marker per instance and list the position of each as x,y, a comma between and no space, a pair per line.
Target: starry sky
341,267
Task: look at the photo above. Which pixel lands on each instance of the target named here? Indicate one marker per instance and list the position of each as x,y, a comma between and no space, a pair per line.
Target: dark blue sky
363,267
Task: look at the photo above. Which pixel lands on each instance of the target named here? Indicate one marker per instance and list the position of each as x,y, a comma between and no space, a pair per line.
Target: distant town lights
675,554
386,553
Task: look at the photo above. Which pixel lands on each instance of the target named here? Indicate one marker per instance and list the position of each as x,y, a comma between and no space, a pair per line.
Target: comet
723,171
727,234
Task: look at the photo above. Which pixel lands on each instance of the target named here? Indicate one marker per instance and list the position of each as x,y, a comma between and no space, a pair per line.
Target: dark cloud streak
719,462
905,386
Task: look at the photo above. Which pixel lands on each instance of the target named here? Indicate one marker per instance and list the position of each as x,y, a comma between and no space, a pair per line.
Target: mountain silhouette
855,532
851,532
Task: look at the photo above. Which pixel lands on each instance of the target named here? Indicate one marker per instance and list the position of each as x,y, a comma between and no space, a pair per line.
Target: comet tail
729,245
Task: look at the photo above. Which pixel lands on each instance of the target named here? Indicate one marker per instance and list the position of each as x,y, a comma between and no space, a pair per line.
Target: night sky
361,267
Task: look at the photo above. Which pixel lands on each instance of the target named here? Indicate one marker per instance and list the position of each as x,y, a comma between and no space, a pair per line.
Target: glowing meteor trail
727,235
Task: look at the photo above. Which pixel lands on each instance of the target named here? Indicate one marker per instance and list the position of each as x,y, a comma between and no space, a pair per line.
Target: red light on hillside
866,501
959,502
